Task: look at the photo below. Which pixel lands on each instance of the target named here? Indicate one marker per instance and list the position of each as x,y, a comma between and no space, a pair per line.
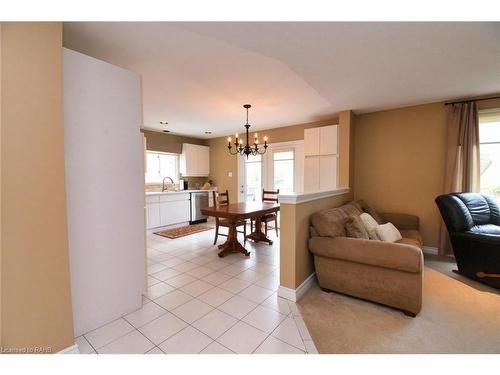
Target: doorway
281,167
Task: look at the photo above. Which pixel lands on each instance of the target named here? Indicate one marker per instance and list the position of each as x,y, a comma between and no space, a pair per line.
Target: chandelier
247,149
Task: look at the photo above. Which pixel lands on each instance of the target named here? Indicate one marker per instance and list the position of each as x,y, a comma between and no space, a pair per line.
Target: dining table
236,212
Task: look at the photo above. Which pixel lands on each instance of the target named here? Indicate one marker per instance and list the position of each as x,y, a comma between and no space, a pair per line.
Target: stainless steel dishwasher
199,200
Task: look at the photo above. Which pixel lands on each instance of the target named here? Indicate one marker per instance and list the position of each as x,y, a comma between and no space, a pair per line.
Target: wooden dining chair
222,199
268,196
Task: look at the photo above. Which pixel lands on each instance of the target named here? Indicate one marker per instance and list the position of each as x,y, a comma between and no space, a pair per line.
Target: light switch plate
230,174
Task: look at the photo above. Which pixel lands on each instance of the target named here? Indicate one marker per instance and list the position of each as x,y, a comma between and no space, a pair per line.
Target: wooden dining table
236,212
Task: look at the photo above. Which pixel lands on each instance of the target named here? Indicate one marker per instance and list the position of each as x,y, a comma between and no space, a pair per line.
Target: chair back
270,196
221,199
463,211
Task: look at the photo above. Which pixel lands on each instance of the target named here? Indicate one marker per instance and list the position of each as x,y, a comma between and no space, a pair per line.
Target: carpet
458,316
183,231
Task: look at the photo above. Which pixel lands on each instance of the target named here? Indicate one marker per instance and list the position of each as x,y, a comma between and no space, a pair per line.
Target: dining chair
268,196
222,199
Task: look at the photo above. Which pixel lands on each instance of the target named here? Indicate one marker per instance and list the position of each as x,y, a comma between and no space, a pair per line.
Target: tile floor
197,302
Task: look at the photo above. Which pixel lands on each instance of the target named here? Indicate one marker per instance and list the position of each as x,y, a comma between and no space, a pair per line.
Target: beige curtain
462,157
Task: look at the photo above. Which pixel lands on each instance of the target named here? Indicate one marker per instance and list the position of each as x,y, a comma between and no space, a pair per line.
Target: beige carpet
458,316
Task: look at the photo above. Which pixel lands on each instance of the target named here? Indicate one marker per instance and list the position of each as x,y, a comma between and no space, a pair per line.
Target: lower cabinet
153,215
174,212
168,209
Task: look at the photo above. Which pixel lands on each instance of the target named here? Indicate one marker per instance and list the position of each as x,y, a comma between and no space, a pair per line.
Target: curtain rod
472,100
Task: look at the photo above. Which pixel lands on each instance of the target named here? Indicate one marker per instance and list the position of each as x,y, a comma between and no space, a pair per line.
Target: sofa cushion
369,210
388,232
331,222
411,237
354,228
375,253
370,225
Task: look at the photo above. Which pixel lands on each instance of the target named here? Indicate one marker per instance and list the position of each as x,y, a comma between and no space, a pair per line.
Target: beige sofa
383,272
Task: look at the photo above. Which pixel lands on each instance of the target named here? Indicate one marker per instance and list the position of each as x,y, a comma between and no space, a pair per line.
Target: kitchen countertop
148,193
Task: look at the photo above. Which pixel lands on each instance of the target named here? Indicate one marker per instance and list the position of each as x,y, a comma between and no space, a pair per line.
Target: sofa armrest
398,256
401,221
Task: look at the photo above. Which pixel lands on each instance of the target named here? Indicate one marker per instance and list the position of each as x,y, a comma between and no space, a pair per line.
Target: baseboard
296,294
73,349
430,250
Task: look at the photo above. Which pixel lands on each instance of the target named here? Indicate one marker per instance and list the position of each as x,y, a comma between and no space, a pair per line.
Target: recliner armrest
401,221
398,256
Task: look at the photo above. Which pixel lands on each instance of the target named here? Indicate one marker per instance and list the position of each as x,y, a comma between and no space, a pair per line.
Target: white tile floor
197,302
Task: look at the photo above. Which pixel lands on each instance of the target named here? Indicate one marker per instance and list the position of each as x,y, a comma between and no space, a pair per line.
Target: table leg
232,245
258,235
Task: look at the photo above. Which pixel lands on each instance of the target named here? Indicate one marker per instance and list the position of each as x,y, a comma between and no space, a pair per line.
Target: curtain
462,158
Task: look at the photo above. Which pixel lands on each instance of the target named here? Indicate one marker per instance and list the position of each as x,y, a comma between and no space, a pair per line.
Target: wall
221,163
400,158
296,262
35,294
400,161
105,190
166,142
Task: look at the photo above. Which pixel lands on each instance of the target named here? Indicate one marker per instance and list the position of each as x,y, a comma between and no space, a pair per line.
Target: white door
250,178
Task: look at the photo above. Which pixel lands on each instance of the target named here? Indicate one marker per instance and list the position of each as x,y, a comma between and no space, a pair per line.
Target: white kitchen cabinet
311,142
311,173
174,212
327,172
153,210
167,209
328,140
321,158
194,160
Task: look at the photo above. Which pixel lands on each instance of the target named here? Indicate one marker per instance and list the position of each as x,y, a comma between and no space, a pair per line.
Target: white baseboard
296,294
73,349
430,250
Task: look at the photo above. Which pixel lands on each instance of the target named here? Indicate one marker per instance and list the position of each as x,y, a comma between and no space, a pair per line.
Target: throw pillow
388,232
370,225
354,228
371,211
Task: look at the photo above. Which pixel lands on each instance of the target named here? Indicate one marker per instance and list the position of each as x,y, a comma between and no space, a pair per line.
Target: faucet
163,183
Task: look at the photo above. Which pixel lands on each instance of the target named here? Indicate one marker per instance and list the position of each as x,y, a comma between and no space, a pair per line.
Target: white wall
105,192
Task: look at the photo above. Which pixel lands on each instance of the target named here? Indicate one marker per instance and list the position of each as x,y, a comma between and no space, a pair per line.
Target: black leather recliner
473,223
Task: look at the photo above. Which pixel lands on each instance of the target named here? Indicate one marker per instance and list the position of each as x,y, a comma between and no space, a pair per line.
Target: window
284,171
160,165
253,173
489,139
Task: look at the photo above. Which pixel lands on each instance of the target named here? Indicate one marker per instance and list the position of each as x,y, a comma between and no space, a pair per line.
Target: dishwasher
199,200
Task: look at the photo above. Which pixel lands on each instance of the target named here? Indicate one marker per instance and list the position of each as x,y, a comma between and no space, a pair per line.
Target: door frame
267,167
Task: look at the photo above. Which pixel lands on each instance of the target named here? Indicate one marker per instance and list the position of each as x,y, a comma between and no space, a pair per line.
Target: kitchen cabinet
167,209
321,158
311,142
194,160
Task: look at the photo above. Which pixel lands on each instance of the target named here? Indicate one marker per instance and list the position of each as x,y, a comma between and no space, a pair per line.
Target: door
250,178
283,170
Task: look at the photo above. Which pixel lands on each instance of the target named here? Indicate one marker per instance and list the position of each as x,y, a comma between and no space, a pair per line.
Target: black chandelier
247,149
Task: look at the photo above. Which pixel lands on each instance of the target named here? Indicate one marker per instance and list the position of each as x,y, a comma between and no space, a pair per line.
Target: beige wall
296,262
400,160
166,142
221,163
35,294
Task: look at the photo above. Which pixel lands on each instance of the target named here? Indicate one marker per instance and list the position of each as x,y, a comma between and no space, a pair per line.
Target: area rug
458,316
183,231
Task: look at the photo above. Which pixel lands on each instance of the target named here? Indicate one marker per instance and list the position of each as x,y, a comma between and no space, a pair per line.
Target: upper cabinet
194,160
321,141
321,158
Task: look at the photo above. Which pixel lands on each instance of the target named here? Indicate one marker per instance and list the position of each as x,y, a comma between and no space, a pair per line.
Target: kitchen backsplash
193,183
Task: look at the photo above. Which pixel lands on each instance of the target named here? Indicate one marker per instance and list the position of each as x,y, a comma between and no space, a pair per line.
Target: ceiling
197,76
